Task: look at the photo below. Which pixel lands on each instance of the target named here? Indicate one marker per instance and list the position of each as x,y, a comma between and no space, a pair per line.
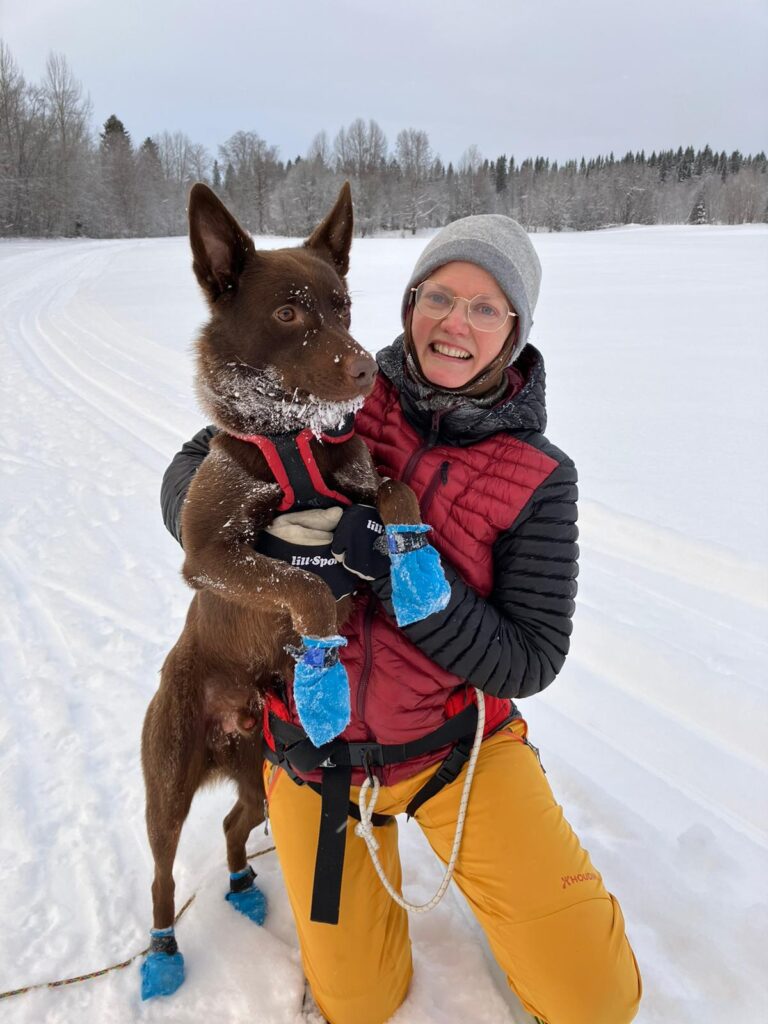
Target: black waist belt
294,752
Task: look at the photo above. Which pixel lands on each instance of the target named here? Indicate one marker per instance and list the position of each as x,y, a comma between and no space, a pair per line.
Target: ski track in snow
654,737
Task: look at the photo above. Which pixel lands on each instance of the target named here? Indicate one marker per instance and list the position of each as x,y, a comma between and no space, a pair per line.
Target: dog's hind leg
164,825
248,812
238,825
163,970
243,765
173,758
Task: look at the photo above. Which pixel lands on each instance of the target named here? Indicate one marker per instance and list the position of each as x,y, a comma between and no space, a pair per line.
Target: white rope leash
365,829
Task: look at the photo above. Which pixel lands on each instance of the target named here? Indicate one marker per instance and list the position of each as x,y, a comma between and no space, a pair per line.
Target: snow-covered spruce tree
118,191
698,214
151,201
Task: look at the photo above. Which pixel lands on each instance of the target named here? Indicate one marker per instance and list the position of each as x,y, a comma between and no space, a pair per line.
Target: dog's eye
343,309
285,314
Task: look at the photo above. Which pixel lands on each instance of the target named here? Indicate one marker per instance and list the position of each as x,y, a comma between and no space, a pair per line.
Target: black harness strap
331,844
304,490
335,808
292,742
296,753
353,811
447,772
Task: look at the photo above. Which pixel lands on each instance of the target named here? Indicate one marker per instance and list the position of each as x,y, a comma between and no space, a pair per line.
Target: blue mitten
247,897
163,970
419,586
321,688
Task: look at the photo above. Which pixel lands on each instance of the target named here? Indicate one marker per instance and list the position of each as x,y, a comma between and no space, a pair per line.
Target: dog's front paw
246,897
419,586
321,688
163,970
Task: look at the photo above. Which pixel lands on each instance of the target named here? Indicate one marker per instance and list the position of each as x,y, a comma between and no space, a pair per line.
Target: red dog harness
291,462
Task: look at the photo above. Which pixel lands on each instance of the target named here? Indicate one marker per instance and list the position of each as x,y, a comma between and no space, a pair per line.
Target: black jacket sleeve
178,477
513,643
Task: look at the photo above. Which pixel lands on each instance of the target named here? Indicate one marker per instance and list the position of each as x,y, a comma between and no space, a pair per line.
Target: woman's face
450,351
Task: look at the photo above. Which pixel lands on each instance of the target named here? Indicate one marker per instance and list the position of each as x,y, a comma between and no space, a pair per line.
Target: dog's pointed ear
219,244
333,238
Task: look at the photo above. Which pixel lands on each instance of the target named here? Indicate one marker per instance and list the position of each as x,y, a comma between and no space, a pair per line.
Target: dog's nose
362,370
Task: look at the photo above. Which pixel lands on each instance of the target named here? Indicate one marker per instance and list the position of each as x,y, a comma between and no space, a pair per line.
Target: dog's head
276,354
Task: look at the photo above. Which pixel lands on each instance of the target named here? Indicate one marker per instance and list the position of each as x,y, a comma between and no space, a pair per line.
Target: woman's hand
360,543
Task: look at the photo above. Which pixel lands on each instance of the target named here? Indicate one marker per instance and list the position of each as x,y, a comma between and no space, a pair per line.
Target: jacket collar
463,421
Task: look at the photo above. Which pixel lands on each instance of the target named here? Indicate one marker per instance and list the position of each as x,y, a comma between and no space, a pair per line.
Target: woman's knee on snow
611,986
580,968
354,1000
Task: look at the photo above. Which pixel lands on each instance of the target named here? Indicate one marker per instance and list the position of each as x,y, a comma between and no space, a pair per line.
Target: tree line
59,178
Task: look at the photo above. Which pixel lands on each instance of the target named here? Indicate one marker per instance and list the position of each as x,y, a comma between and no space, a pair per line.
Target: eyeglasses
483,313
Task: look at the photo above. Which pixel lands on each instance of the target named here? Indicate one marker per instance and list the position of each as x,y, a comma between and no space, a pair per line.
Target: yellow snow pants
554,929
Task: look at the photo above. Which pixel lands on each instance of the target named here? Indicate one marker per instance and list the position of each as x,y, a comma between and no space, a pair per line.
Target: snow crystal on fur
256,400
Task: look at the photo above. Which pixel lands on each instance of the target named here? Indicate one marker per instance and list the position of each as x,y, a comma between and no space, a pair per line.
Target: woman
458,413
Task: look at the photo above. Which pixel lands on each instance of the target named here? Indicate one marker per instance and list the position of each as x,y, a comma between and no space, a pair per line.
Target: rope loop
364,827
369,793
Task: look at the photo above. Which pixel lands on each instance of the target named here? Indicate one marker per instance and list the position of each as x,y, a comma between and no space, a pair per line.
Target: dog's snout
362,370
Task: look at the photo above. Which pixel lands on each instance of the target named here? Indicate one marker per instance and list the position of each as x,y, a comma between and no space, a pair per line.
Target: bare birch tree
361,155
417,194
249,184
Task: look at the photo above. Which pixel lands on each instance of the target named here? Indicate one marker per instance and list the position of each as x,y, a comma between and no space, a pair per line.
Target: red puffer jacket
471,497
502,503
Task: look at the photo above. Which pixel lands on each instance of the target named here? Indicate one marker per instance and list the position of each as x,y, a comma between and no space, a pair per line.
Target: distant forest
59,178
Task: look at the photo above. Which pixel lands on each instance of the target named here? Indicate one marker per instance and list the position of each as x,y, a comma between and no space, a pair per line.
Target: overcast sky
553,77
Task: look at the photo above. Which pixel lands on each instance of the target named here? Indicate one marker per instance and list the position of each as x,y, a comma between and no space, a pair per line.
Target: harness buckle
328,763
368,765
362,753
451,767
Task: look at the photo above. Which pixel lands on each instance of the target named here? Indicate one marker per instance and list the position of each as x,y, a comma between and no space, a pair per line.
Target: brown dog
275,356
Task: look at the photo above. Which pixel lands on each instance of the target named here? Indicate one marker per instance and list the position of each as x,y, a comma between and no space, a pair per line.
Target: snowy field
654,736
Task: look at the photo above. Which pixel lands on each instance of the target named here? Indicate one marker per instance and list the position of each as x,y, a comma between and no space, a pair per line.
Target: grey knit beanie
497,244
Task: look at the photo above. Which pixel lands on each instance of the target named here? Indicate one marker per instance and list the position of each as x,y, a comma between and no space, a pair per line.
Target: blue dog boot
419,586
321,688
163,970
246,897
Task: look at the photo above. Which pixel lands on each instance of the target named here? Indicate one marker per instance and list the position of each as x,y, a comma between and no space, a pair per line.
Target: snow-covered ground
654,736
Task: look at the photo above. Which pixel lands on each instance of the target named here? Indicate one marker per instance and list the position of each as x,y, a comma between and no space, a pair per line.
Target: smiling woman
455,338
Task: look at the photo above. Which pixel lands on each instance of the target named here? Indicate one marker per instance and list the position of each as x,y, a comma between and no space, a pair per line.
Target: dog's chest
311,472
